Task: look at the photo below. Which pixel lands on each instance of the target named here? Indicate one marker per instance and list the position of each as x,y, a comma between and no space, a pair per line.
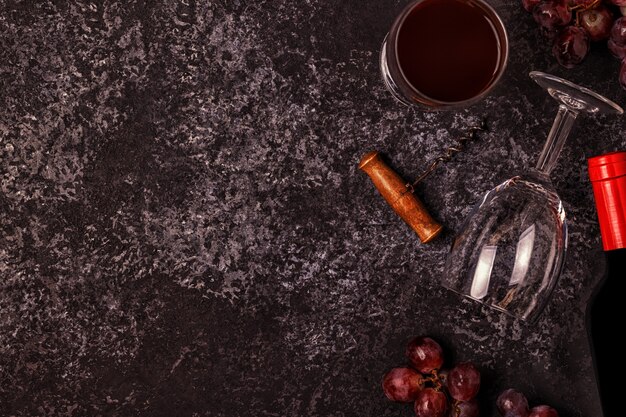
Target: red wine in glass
444,53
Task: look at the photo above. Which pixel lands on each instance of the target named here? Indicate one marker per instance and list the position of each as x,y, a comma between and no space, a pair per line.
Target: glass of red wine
444,54
511,249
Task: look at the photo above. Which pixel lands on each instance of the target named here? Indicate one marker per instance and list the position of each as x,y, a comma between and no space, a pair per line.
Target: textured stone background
184,231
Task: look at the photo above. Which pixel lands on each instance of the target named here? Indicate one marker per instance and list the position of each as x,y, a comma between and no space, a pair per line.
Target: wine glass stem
556,139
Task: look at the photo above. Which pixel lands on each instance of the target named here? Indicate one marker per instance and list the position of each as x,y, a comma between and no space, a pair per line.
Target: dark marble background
184,231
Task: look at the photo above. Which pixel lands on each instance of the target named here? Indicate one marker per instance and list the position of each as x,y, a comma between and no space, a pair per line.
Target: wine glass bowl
511,249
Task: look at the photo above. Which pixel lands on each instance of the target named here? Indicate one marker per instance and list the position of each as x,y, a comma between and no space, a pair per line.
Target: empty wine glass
510,250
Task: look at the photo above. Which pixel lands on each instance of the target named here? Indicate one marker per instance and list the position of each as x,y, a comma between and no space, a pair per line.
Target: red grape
571,46
468,409
571,38
618,32
529,5
424,354
543,411
512,403
597,22
463,382
402,384
551,14
431,403
622,75
618,51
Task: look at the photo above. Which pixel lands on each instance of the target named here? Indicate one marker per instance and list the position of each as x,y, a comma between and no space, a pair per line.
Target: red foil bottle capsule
608,177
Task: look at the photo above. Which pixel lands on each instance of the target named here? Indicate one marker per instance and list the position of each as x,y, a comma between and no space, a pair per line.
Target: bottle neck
616,263
616,253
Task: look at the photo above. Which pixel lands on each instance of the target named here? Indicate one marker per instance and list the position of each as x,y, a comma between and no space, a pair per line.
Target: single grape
512,403
424,354
467,409
618,51
543,411
619,2
551,14
463,382
571,46
431,403
618,32
597,22
622,75
402,384
529,5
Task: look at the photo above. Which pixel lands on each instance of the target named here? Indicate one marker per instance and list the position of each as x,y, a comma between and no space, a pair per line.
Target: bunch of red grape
573,24
435,392
513,403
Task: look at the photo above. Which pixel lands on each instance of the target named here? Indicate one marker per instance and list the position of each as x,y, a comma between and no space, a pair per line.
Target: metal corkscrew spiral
470,135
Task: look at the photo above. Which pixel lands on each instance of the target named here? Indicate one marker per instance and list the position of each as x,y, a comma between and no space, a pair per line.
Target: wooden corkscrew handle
398,195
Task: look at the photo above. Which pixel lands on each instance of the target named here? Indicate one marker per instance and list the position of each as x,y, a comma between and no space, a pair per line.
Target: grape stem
456,408
582,7
435,380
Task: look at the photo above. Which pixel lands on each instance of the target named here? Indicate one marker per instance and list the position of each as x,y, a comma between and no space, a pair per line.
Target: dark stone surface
185,231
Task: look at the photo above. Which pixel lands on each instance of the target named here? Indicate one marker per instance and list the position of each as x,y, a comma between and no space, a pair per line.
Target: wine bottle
605,316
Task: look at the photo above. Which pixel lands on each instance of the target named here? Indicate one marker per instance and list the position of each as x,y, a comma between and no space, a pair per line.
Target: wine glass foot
574,97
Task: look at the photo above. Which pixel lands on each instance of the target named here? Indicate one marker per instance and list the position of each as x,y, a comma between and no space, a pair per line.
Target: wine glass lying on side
511,249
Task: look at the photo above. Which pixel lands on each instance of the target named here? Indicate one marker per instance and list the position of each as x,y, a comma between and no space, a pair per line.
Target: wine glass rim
548,81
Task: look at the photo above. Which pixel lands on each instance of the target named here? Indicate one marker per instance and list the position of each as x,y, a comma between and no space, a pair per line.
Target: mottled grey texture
185,231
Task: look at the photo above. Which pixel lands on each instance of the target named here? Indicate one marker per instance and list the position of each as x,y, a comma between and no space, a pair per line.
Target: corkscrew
400,194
